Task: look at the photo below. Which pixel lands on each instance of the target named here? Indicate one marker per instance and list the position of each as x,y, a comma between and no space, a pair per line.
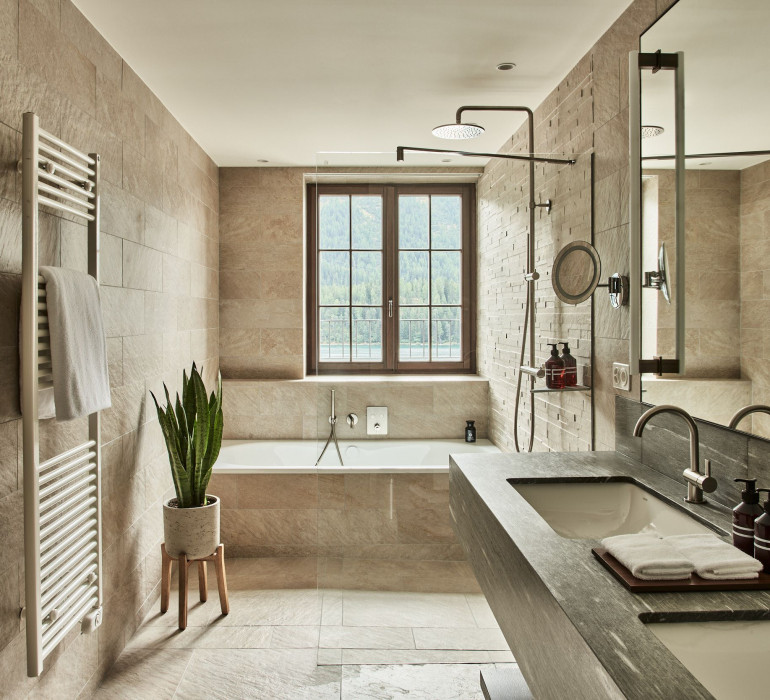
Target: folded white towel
81,382
714,558
648,557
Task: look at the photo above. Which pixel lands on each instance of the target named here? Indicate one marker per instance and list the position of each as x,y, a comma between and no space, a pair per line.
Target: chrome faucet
697,483
740,415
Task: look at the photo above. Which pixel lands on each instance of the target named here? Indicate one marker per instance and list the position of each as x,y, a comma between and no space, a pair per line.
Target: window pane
413,217
333,278
333,222
334,334
413,277
367,222
367,279
446,222
446,282
367,334
413,334
447,334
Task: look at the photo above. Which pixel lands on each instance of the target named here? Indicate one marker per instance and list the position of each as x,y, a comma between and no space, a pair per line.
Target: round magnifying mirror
576,272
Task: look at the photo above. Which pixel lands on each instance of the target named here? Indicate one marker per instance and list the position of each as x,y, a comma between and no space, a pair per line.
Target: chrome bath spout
332,434
745,411
697,482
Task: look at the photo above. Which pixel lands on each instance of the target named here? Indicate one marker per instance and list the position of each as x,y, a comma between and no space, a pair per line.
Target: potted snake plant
192,429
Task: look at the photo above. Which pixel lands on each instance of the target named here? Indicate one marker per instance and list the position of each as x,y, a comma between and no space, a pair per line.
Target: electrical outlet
621,376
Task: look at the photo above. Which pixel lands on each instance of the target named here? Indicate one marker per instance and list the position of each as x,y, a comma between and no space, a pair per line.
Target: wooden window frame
390,363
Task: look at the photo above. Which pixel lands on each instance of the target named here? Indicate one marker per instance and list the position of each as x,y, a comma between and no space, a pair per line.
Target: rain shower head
458,131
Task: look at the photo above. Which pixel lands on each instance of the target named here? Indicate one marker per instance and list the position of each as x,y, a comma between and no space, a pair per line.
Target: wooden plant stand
218,557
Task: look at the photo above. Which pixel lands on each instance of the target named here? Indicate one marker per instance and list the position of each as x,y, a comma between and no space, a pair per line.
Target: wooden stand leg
165,579
182,591
203,584
219,561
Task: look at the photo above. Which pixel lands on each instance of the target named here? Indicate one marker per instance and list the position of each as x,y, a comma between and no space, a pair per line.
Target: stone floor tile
459,638
366,638
399,609
447,682
145,673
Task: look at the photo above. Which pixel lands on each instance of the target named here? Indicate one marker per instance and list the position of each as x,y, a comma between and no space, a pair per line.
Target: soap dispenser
470,431
762,536
744,515
570,366
554,369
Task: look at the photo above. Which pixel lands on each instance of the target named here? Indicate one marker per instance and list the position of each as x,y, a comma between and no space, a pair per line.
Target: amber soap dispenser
744,515
554,369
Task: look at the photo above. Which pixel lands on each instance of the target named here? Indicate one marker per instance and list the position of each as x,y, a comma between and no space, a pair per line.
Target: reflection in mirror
576,272
727,258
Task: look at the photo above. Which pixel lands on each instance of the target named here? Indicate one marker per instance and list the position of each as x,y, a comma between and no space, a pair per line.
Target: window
391,278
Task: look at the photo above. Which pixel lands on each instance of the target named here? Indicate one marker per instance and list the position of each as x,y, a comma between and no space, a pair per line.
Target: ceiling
285,80
726,51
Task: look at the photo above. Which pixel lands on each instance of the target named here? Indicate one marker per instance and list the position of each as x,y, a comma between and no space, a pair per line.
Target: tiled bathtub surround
159,296
665,446
418,407
342,519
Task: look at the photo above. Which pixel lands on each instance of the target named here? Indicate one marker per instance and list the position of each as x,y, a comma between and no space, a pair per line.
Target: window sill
395,378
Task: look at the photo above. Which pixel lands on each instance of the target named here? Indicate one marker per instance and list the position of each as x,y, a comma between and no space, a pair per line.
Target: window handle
390,308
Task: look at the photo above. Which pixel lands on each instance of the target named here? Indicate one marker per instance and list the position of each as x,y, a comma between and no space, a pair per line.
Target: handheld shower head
458,131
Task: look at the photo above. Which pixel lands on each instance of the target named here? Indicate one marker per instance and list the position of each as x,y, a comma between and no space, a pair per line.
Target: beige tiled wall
755,289
159,297
417,407
712,270
262,273
567,121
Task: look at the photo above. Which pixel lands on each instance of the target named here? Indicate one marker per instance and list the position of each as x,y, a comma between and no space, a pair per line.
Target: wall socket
621,376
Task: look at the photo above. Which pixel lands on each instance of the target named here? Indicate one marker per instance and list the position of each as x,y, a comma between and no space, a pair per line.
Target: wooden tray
694,583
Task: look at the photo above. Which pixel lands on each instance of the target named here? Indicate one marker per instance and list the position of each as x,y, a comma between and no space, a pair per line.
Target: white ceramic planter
193,531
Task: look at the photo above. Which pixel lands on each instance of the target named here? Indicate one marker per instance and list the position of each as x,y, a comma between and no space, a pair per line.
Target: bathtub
360,456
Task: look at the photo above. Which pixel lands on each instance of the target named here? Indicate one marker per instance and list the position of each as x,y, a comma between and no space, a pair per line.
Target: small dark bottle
470,431
554,369
762,535
744,515
570,366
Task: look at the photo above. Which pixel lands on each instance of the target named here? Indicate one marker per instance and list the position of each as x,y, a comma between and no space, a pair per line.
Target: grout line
181,678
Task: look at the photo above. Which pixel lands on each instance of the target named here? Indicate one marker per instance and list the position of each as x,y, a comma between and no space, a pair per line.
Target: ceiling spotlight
705,162
506,66
649,132
458,131
446,160
262,160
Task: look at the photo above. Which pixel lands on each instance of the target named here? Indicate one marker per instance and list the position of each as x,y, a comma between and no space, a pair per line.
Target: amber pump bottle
762,535
554,369
744,515
570,366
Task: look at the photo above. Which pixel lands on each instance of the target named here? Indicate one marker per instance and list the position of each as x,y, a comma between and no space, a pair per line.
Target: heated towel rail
62,495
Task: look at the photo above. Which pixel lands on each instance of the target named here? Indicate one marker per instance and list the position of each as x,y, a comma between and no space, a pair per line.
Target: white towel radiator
62,496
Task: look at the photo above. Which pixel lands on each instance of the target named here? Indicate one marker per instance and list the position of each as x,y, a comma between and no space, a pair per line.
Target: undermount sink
728,658
593,510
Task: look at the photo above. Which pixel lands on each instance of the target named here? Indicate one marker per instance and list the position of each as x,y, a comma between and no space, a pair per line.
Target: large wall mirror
727,210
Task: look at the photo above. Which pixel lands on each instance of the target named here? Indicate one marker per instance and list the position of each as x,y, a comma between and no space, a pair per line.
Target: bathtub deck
349,638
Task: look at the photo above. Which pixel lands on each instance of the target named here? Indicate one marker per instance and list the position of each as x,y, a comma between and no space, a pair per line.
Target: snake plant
192,428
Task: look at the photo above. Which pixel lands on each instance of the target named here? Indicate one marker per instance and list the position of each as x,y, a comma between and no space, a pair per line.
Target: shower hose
518,383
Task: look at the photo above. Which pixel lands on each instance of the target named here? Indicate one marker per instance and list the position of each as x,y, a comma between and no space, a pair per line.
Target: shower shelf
545,390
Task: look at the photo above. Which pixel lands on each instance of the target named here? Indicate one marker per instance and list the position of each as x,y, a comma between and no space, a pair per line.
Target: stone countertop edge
606,615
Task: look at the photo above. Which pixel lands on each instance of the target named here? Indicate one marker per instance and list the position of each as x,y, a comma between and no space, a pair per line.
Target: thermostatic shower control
376,420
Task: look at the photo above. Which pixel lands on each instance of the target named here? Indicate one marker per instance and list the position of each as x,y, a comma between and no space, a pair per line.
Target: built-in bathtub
389,502
360,456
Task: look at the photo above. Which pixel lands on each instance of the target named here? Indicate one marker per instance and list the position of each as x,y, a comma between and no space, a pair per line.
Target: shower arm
532,159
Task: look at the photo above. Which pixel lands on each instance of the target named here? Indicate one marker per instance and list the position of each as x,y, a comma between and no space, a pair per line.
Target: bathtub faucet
332,434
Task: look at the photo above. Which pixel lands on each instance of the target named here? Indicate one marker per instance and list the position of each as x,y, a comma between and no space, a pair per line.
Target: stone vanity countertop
607,615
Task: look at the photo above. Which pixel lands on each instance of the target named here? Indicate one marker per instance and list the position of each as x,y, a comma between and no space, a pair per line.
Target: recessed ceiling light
262,160
506,66
446,160
705,162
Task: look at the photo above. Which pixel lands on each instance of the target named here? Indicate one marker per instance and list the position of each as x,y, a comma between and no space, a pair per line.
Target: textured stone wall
587,112
159,297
